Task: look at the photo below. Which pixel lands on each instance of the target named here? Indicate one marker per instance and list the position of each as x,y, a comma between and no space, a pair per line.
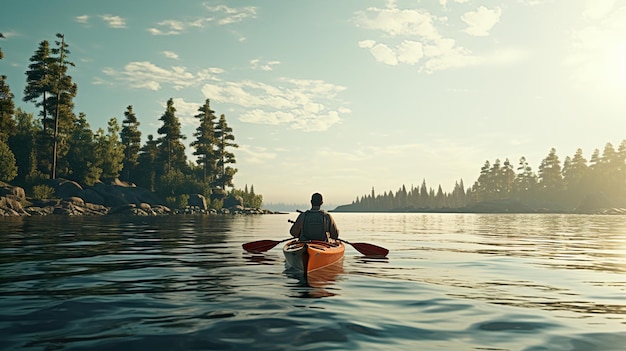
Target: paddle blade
260,245
370,250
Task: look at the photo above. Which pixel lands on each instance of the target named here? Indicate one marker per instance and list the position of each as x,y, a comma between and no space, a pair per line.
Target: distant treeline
61,144
555,187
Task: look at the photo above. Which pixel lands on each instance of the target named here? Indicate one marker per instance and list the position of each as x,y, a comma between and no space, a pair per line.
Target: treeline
555,186
60,144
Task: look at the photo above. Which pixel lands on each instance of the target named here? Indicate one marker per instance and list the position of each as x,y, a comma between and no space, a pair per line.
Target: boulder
233,202
66,188
197,200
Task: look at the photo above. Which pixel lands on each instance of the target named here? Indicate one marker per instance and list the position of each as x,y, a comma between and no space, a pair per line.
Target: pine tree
38,81
23,145
109,150
131,140
171,149
225,140
147,167
550,178
62,100
81,156
206,142
8,167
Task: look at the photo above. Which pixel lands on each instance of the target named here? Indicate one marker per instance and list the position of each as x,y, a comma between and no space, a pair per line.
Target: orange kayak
309,256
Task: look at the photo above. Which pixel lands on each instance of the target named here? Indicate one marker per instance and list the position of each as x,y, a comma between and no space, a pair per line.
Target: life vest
315,226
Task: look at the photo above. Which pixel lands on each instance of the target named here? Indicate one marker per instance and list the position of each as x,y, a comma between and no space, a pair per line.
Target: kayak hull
311,256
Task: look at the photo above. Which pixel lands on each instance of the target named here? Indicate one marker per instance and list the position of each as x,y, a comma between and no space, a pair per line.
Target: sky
340,97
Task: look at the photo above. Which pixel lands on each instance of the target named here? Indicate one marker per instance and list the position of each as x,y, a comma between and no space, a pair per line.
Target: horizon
373,94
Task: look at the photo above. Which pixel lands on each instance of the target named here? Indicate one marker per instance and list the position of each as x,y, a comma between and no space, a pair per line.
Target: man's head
316,199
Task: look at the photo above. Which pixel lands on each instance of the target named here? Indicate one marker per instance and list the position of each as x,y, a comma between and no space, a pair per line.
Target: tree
171,149
24,147
147,167
131,140
8,168
550,177
109,151
65,91
7,109
38,80
225,140
81,156
205,142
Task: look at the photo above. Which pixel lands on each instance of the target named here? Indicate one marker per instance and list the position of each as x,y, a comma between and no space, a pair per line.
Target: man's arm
296,228
334,231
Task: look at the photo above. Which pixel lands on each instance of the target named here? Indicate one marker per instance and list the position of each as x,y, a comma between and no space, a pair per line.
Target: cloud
82,19
114,21
481,21
395,22
306,105
168,27
185,111
255,154
222,15
231,15
597,48
410,37
265,66
170,55
146,75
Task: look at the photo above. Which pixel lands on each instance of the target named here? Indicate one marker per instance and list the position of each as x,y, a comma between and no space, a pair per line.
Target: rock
10,200
66,188
197,200
233,202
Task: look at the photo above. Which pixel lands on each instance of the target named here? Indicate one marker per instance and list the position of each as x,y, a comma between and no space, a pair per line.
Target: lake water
450,282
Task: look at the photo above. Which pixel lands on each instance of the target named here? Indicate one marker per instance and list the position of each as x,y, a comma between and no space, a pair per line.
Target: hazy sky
342,96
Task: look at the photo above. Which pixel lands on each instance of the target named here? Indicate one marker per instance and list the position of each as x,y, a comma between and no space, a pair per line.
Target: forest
59,143
555,187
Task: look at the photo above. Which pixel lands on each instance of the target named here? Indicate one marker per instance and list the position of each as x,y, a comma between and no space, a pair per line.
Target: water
451,282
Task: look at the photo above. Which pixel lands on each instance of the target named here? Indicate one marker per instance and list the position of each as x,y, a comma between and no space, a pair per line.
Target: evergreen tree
7,109
225,140
575,171
62,100
8,167
24,148
550,178
39,81
171,149
82,159
109,150
206,142
147,167
131,140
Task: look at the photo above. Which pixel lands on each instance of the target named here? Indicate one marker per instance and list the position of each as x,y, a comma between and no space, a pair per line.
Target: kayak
311,256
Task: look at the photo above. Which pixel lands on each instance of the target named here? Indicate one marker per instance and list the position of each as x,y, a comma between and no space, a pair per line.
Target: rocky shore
115,198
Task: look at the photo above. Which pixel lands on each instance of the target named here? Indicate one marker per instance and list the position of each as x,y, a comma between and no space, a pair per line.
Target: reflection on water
451,281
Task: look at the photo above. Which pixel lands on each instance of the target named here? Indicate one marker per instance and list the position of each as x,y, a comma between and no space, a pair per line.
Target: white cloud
146,75
168,27
481,21
303,104
114,21
232,15
185,111
411,37
224,15
170,55
82,19
265,66
255,154
397,22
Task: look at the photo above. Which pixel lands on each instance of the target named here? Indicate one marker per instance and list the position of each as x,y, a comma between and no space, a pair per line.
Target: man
315,224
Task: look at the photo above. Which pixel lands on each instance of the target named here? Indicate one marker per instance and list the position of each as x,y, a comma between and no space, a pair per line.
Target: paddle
369,250
262,245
